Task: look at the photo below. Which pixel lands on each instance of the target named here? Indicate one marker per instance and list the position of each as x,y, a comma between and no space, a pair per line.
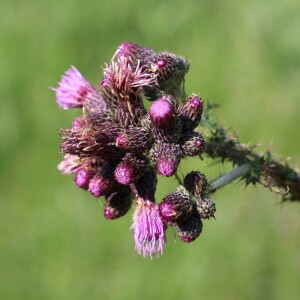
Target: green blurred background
54,242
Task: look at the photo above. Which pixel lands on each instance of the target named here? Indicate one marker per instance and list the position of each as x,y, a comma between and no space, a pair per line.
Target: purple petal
148,229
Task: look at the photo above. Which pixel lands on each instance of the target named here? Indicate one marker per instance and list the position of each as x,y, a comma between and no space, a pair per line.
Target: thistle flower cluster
116,147
187,206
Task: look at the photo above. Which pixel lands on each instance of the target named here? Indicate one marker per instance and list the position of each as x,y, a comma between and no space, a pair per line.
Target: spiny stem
229,177
270,172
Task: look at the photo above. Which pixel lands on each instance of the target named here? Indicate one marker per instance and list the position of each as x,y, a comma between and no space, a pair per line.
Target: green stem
220,182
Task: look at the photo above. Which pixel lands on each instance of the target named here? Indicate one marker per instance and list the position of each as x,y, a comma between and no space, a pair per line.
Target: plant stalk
225,179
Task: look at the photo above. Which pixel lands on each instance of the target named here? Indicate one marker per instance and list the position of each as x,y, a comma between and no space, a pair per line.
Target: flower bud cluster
116,147
186,207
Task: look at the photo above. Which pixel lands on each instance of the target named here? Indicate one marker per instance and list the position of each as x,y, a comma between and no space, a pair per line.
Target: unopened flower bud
133,139
176,206
117,204
125,172
168,158
171,133
102,182
193,144
130,115
131,168
167,166
99,185
190,229
168,65
206,208
162,112
135,52
82,178
196,183
169,70
190,113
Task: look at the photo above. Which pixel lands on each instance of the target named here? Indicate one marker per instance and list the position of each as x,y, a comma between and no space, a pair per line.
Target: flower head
170,66
148,228
82,177
135,52
133,139
168,158
176,206
131,168
190,113
190,229
170,70
162,112
196,183
123,78
73,90
99,185
193,144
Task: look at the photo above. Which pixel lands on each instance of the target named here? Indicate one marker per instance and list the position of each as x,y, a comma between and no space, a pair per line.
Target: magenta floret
148,229
73,90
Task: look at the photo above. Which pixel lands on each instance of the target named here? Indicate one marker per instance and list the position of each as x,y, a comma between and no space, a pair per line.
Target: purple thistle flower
122,140
148,229
161,63
93,140
130,114
123,78
168,134
73,90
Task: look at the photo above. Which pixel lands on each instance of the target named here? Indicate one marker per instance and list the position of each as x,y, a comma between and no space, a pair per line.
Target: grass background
54,242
